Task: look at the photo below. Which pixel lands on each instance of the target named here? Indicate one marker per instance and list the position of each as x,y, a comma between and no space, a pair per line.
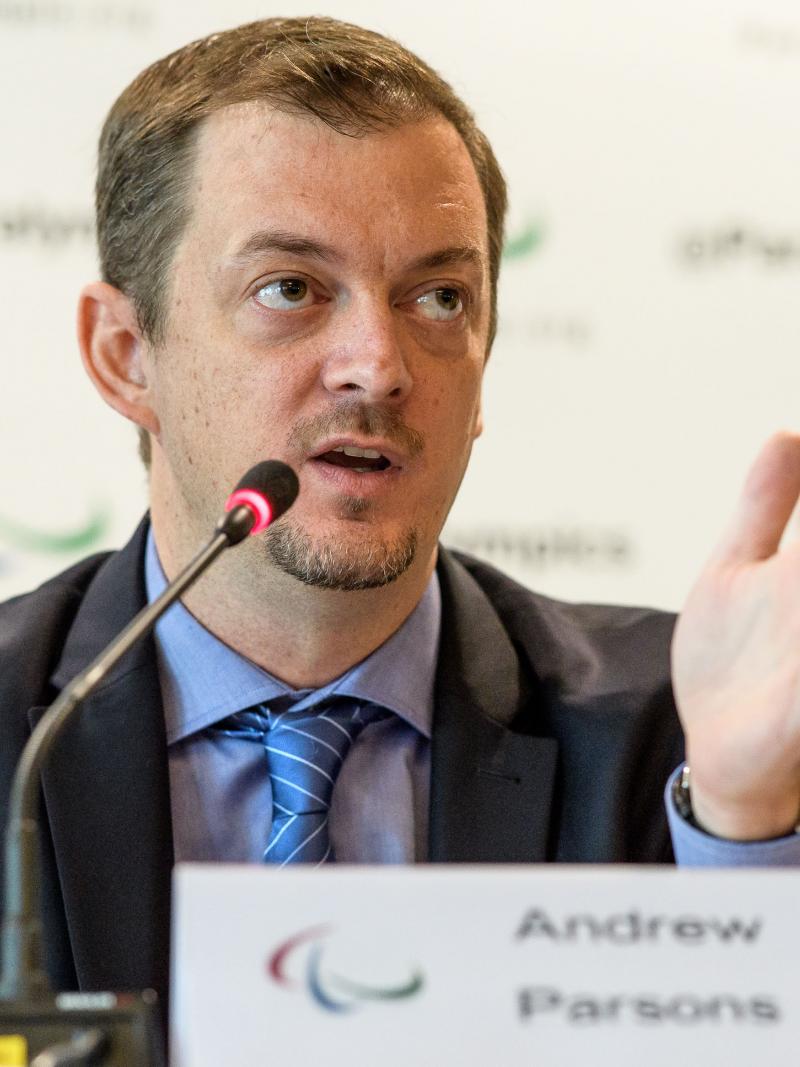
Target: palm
736,660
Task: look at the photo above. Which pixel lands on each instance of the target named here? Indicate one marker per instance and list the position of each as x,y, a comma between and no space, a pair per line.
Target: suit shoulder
33,626
51,597
605,644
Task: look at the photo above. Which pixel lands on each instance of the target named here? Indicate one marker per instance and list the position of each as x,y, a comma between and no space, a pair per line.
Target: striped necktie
305,751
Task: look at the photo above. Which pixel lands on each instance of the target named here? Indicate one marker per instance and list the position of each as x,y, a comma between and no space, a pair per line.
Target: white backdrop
650,324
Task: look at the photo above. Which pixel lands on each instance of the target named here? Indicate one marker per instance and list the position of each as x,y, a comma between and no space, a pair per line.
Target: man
300,230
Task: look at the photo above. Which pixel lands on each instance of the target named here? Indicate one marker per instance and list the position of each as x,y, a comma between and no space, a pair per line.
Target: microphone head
274,480
267,491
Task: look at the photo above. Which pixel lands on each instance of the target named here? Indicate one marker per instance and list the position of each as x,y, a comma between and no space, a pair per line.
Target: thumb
766,503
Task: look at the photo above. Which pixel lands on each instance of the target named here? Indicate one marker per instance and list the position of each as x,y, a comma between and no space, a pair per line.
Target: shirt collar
203,680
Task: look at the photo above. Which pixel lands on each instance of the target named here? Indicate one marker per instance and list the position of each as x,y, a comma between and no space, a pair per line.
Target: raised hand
736,662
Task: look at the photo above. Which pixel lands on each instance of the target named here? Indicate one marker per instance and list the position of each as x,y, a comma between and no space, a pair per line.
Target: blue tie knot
305,751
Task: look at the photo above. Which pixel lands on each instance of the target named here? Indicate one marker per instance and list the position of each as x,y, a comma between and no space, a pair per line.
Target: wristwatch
682,797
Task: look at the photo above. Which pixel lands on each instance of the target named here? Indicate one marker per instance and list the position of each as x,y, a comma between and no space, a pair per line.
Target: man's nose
367,359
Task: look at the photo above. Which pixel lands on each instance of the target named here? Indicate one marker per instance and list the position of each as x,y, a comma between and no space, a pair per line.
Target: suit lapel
106,790
491,788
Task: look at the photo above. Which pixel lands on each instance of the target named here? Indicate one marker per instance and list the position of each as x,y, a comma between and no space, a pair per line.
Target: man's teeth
362,453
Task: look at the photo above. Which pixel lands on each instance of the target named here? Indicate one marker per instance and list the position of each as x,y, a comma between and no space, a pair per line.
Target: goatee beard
346,564
338,565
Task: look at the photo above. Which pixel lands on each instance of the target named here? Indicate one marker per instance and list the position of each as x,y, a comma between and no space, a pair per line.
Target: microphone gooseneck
265,493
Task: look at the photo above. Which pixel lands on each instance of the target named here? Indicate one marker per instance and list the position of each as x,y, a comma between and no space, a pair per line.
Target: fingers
768,498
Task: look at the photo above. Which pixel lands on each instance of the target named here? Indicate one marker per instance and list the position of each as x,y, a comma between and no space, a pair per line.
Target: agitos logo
26,538
526,241
32,540
301,963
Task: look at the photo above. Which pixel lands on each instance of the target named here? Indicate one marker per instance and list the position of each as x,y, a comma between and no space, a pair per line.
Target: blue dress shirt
220,792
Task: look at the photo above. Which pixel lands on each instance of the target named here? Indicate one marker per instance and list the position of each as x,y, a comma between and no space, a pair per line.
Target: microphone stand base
129,1022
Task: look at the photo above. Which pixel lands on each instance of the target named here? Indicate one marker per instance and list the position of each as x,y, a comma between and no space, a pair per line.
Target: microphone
119,1029
261,497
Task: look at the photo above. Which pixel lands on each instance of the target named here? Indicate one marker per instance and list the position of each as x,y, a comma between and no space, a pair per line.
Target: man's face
330,295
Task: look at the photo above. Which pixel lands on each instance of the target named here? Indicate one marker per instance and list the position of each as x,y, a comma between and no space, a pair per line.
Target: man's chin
347,565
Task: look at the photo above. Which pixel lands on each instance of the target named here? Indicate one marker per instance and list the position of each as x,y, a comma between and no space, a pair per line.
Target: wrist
735,820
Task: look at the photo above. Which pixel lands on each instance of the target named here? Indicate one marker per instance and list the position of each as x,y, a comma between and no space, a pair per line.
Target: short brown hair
352,79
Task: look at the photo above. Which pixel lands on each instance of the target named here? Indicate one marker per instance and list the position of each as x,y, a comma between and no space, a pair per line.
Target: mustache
369,420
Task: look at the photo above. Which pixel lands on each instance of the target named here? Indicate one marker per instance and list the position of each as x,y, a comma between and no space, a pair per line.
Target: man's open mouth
361,460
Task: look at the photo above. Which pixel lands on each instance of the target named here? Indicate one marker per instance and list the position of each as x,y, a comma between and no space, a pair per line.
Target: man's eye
285,294
440,304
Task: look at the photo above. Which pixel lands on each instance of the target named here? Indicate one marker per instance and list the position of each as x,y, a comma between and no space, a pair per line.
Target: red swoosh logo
276,960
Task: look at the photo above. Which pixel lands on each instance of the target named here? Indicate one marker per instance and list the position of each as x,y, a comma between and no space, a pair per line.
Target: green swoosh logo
26,538
525,242
365,992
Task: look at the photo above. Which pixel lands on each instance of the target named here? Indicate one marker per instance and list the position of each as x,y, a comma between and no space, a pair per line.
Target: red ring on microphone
257,503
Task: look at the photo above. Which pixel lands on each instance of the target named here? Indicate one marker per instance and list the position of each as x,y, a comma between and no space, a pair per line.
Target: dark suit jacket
554,733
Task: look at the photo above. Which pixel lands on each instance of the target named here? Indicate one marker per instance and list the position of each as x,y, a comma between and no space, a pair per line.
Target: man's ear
114,354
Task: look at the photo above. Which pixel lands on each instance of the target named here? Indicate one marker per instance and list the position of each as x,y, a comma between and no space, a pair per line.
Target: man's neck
304,635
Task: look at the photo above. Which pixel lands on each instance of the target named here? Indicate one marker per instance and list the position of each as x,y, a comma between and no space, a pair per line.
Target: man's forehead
250,122
256,141
259,169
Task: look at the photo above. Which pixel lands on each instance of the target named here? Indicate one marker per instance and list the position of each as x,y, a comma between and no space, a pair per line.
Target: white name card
489,966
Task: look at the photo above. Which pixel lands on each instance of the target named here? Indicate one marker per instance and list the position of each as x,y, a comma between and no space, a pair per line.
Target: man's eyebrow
448,257
266,241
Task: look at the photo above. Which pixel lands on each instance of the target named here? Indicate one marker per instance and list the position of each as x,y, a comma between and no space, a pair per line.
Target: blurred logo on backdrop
29,224
781,40
19,539
541,548
567,329
746,243
119,15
